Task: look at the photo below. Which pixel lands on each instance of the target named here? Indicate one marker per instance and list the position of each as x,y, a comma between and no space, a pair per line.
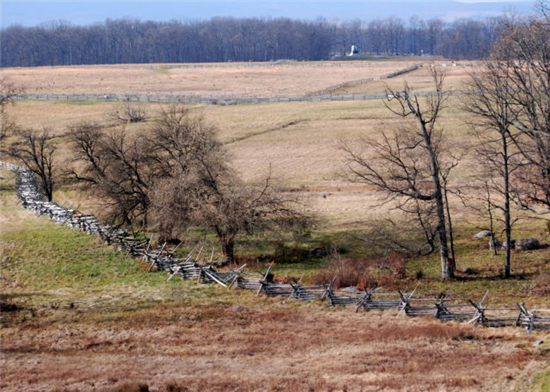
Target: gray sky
29,13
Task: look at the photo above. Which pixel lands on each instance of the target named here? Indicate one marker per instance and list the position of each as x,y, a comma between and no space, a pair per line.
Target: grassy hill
79,315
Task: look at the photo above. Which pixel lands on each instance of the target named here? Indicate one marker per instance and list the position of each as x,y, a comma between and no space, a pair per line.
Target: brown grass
363,273
299,142
222,347
218,80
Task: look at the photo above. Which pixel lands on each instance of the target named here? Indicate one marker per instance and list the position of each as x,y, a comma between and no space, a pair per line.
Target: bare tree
36,151
494,119
117,168
199,188
175,176
8,93
407,165
129,113
521,65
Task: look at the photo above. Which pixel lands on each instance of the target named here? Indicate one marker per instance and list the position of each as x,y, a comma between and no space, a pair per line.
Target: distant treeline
233,39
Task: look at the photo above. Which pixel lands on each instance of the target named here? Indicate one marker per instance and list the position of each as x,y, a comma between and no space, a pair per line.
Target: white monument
354,51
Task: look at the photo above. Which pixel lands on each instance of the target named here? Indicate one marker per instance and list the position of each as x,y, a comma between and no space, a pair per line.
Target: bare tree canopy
519,73
174,176
240,39
407,165
36,151
116,167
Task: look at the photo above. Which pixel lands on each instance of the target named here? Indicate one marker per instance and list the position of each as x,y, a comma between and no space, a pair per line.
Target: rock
350,289
527,244
482,234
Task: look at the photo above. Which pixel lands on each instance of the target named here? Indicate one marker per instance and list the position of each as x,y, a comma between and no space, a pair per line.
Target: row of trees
173,176
232,39
511,121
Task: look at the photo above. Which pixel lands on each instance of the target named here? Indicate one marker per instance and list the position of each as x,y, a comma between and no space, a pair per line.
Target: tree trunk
227,244
447,265
228,250
507,219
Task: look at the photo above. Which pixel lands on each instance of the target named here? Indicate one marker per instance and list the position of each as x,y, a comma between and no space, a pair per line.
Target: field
79,316
225,80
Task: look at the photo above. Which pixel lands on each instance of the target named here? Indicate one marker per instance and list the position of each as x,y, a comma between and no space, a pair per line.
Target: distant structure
354,51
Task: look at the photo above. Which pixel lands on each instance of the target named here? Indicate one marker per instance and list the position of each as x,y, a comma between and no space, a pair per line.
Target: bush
363,273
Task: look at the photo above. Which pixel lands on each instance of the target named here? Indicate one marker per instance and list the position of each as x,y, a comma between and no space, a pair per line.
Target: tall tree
408,165
521,58
494,120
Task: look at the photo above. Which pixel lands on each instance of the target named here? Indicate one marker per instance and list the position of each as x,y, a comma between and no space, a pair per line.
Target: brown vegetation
216,80
363,273
218,346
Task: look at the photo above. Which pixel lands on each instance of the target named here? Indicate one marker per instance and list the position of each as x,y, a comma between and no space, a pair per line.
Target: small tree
129,113
414,234
8,93
408,164
36,152
229,207
117,168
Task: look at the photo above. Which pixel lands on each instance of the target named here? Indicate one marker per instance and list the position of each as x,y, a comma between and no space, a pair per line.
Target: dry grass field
301,142
225,80
79,316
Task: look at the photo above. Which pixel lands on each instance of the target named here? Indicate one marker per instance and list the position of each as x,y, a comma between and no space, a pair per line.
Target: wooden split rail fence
204,271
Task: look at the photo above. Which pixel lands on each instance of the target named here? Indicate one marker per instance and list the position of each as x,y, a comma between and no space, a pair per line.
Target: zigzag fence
204,271
331,89
317,96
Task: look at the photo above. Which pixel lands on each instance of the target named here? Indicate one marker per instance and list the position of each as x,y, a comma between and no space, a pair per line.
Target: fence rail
221,100
204,271
326,94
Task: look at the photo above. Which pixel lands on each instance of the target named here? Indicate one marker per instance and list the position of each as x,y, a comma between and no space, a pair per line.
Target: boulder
482,234
527,244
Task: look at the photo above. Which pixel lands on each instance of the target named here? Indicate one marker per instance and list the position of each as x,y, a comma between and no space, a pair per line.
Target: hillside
80,315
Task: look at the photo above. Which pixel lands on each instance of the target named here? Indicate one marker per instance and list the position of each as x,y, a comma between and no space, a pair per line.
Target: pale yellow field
456,78
299,142
289,79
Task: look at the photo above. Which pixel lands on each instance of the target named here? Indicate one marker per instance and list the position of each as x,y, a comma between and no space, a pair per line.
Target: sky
31,13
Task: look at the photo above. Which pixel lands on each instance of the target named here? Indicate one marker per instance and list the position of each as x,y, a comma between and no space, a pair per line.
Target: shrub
362,273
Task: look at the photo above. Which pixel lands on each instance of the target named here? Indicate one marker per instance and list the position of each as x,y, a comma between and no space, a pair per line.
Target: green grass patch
541,382
161,71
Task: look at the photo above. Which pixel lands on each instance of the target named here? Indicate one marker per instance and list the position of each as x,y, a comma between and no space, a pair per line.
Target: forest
233,39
